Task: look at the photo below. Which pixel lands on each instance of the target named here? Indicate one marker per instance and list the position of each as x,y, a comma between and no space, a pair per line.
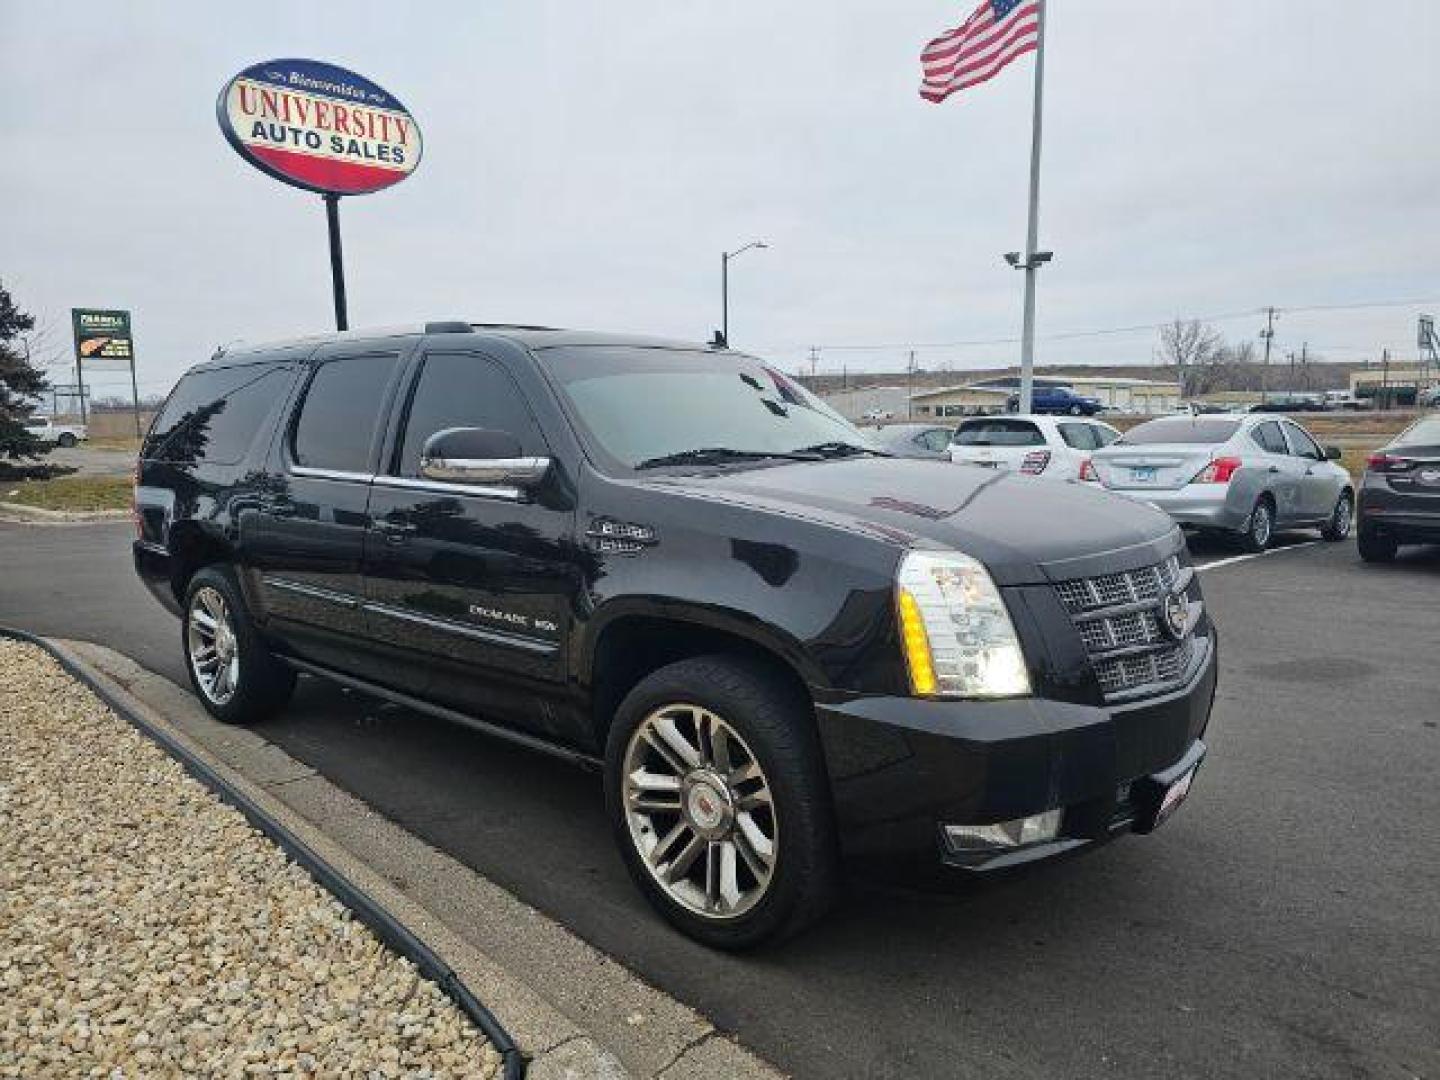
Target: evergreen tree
20,383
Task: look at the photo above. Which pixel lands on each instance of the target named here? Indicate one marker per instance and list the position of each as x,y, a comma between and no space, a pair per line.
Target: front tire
66,440
716,791
236,678
1341,518
1259,527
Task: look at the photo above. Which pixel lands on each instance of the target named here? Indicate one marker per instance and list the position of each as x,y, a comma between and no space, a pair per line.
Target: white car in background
46,430
1050,447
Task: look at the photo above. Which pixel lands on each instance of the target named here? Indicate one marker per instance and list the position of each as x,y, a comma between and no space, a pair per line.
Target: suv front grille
1161,668
1128,587
1119,618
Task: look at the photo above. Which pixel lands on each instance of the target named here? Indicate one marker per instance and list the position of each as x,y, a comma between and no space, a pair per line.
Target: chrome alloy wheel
700,812
1261,525
210,640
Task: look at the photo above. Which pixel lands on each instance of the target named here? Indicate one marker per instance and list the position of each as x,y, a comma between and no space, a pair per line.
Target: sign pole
135,395
80,387
337,263
1032,265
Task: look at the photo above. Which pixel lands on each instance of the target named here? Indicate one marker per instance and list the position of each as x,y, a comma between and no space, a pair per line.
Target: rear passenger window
214,416
1270,438
1078,436
340,413
465,390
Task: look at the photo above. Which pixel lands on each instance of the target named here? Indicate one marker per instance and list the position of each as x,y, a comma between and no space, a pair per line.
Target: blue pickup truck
1058,401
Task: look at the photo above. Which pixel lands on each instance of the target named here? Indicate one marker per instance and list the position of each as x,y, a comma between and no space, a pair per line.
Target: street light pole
725,257
725,297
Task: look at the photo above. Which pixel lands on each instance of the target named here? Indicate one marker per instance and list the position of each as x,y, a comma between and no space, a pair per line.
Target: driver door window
1301,445
464,390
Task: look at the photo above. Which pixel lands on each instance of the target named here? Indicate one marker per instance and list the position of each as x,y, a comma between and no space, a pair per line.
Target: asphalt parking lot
1284,923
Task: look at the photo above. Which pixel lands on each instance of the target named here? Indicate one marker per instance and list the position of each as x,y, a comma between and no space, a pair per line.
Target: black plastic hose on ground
366,908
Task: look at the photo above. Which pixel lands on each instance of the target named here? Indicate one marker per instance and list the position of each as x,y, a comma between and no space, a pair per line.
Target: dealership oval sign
319,127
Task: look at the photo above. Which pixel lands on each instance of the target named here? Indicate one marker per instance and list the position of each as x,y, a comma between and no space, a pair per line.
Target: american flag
997,33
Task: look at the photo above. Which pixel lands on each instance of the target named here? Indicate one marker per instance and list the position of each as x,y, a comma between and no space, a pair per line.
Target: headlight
955,630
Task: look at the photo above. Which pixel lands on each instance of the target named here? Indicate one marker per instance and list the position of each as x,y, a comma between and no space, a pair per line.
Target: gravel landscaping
147,929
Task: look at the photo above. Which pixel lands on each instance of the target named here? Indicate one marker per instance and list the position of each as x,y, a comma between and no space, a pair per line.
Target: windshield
1180,430
642,406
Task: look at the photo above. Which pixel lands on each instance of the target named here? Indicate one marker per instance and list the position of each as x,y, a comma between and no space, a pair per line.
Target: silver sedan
1243,475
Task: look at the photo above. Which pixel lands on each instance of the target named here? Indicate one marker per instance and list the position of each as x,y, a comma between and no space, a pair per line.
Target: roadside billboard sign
319,127
102,339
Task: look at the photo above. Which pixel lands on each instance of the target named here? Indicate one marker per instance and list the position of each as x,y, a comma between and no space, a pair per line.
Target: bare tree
1191,346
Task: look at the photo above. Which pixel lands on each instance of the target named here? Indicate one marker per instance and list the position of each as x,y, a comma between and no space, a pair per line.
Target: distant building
1145,396
1396,387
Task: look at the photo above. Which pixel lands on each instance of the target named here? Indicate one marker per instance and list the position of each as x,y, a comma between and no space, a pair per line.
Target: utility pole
1385,379
910,387
1305,364
814,360
1269,335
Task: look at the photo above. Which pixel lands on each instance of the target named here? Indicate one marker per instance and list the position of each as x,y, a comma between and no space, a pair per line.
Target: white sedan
1051,447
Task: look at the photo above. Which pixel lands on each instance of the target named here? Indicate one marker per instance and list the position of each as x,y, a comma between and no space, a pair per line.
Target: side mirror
480,456
1332,453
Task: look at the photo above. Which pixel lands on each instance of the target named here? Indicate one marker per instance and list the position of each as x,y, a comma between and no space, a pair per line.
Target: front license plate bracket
1157,797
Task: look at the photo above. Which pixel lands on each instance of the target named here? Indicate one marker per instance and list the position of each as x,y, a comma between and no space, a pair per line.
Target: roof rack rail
449,326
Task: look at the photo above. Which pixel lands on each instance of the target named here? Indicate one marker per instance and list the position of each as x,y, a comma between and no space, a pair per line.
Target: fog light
1003,835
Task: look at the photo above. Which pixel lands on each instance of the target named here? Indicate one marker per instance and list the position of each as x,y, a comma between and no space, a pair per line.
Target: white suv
1051,447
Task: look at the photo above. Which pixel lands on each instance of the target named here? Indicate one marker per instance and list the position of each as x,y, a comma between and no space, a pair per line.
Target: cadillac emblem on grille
1177,615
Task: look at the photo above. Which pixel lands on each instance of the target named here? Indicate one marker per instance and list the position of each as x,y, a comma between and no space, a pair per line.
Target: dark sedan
1400,495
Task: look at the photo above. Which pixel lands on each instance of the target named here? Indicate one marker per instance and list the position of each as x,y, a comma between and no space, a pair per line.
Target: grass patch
70,493
114,442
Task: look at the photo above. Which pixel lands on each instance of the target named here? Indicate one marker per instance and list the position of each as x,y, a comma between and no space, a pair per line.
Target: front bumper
903,768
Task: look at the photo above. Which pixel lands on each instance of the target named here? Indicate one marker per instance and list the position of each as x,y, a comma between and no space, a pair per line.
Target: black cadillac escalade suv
787,650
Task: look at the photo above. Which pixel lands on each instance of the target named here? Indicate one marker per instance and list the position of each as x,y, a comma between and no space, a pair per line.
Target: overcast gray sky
586,162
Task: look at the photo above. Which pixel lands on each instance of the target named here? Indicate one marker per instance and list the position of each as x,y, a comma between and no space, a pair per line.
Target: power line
1070,335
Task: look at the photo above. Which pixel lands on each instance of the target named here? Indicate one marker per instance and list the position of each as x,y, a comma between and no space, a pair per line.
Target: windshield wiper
838,449
715,455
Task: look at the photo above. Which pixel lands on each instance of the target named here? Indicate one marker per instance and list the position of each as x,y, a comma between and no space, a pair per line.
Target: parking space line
1256,555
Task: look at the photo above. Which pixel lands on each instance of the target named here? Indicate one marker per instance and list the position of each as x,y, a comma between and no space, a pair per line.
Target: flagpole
1032,264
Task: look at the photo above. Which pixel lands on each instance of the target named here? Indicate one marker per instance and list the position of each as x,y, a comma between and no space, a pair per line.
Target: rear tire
66,440
1259,527
236,678
1341,519
715,760
1376,547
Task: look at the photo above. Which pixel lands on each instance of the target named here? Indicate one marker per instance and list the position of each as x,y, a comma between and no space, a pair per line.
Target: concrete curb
573,1010
39,515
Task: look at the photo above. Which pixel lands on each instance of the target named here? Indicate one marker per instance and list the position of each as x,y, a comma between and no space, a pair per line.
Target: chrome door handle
395,531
